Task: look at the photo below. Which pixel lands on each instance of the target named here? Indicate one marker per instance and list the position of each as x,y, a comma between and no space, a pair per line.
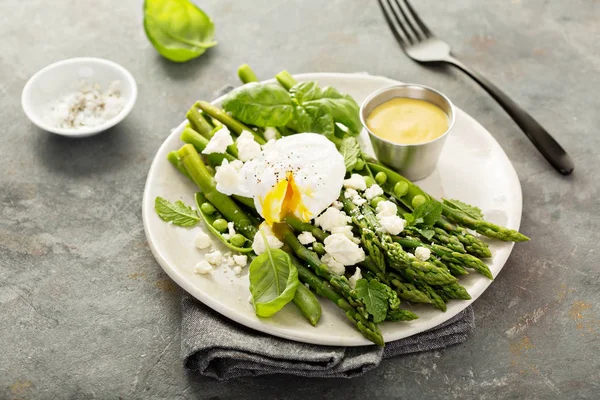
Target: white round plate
473,168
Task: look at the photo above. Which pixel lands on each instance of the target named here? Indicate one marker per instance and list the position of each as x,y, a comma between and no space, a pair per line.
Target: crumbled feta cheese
411,255
202,240
270,134
227,177
332,218
258,245
422,253
219,142
230,261
355,278
307,285
356,240
392,224
230,229
344,230
386,208
247,147
238,270
355,182
359,201
343,250
335,267
225,236
337,204
350,193
373,191
306,238
203,268
215,258
240,260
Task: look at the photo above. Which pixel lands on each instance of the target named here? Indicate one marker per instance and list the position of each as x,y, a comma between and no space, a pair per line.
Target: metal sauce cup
414,161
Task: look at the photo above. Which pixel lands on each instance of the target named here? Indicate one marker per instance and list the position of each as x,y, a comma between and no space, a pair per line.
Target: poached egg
299,174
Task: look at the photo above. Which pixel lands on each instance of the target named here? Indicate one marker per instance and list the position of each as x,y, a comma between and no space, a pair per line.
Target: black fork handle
545,143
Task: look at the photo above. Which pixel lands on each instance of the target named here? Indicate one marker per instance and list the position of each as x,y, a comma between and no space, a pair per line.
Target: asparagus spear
299,226
199,142
447,255
198,123
473,245
202,177
232,124
174,159
483,227
286,79
398,258
452,291
246,74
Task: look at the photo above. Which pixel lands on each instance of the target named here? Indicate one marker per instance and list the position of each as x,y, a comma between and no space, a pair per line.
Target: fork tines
405,23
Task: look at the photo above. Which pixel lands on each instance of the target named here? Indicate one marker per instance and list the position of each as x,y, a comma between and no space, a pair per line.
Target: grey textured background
86,312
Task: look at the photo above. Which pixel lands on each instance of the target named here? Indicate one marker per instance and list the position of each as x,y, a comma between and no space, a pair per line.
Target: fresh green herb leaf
426,233
260,104
273,281
178,30
317,110
400,315
471,211
374,296
209,220
350,149
425,215
178,213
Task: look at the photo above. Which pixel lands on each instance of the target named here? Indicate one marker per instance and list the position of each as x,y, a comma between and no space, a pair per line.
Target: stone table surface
86,312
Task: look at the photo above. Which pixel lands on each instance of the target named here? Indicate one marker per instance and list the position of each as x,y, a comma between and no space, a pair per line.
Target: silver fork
420,44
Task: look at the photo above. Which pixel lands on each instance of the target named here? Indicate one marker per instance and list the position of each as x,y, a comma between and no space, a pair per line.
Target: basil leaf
350,149
427,214
178,30
273,281
471,211
260,104
317,110
177,213
374,296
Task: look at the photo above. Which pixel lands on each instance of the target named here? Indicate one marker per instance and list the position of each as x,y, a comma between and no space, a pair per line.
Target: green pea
319,248
418,200
380,178
376,201
220,225
400,189
237,240
360,164
207,208
369,181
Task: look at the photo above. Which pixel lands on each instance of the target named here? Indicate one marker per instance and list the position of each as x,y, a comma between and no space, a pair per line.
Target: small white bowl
58,79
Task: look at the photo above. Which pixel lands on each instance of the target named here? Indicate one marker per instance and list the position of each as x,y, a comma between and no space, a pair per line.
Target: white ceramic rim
33,117
247,321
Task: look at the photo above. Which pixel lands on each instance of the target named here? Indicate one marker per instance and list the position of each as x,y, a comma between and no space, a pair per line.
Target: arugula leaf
374,296
178,29
273,281
178,213
317,110
260,104
350,149
425,215
471,211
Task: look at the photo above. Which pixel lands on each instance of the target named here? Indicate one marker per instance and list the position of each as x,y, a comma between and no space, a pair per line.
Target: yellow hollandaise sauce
408,121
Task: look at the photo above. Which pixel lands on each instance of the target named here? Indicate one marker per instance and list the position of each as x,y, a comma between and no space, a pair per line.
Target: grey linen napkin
220,348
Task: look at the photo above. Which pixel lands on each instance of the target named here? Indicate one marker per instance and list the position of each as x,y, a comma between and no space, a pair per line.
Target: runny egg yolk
285,198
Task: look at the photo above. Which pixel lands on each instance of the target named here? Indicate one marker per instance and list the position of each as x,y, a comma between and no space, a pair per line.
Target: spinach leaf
317,110
425,215
177,213
260,104
350,149
273,281
178,29
471,211
373,294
